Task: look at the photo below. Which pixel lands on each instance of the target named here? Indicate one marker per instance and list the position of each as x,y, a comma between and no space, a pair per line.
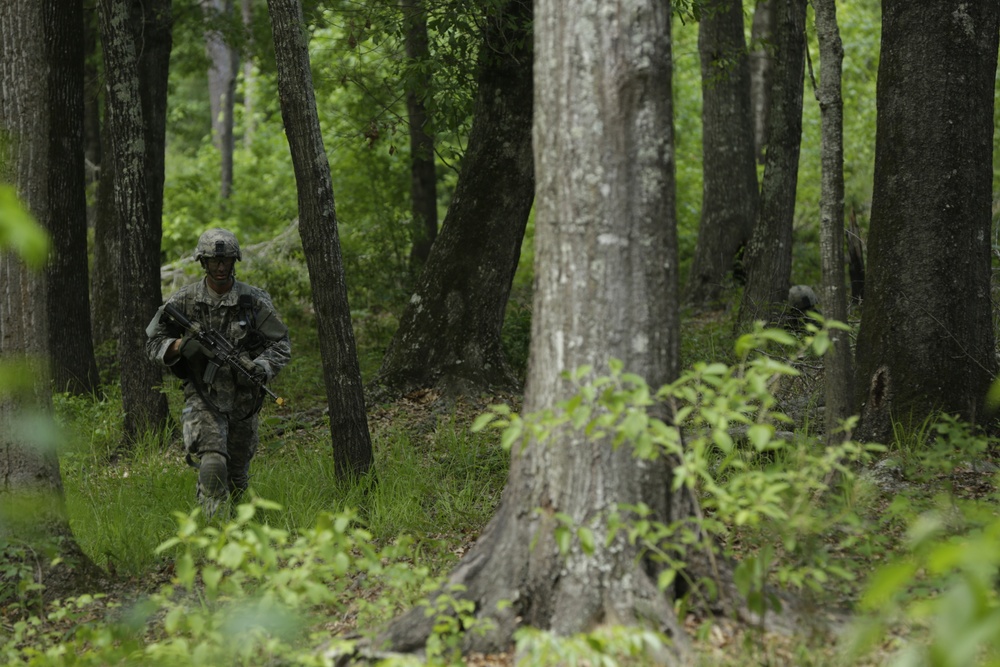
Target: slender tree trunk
224,63
606,287
838,366
729,183
249,76
137,122
70,346
423,176
105,271
352,447
761,66
926,341
449,335
768,259
152,22
856,259
91,106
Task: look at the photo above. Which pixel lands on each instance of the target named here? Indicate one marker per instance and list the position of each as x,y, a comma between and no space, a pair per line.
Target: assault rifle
221,352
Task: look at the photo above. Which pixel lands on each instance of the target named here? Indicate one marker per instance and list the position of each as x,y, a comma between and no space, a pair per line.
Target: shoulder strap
245,304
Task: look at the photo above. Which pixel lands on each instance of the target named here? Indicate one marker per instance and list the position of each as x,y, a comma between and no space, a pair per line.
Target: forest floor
824,615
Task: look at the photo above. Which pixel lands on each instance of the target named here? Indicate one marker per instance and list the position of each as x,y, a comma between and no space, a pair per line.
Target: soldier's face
220,271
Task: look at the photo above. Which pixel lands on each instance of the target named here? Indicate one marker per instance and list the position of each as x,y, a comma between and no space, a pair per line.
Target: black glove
255,370
190,348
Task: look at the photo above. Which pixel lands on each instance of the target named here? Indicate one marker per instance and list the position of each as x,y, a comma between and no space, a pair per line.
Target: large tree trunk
449,335
32,508
224,63
136,104
768,259
423,176
352,447
606,286
70,346
838,366
926,341
729,184
761,72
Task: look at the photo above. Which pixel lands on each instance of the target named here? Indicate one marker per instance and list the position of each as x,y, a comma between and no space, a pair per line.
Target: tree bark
837,364
32,506
449,335
105,272
91,105
606,286
24,163
761,74
352,448
249,76
224,63
137,133
926,341
768,258
423,176
70,346
729,183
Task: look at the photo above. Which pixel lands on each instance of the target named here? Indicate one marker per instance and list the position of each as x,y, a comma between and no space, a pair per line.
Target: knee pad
213,482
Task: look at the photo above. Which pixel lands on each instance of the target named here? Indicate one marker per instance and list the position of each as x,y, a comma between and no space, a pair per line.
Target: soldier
219,419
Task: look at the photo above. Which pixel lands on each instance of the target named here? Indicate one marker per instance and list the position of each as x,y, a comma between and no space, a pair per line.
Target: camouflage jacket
257,331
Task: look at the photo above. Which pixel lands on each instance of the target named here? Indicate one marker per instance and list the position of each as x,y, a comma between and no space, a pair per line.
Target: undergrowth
906,567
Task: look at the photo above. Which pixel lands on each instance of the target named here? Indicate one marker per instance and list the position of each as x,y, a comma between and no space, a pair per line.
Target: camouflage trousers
221,446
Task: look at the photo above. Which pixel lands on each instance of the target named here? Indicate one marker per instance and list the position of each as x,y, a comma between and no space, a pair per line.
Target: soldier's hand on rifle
259,373
191,348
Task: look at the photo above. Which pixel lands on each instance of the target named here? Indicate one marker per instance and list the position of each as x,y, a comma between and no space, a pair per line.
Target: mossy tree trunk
136,108
926,341
449,334
606,286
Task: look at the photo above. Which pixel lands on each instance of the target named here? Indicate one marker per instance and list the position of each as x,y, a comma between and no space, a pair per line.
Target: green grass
438,483
432,477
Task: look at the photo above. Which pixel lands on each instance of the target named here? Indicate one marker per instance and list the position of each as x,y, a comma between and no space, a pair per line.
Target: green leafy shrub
243,593
722,436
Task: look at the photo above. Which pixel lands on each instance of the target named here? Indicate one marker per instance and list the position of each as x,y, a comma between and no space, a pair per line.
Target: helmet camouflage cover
217,243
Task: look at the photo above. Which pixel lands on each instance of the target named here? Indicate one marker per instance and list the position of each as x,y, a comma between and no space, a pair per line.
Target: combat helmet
217,243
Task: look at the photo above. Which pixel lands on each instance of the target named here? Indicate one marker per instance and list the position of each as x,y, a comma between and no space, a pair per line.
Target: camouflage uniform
220,415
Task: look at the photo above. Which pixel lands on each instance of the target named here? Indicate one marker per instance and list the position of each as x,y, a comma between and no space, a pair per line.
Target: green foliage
722,438
18,230
242,593
943,589
940,590
607,646
21,559
454,617
262,203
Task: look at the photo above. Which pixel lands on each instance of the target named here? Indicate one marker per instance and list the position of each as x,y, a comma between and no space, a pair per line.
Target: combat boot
213,483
